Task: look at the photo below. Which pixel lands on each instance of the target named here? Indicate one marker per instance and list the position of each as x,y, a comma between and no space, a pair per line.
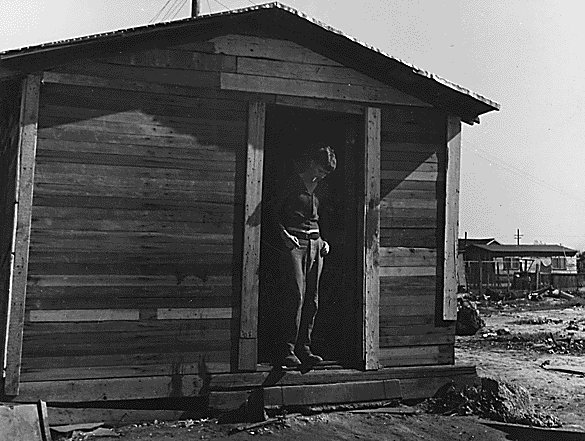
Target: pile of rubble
497,401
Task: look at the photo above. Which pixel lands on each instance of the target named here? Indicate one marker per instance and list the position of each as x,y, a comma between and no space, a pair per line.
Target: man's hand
290,241
325,249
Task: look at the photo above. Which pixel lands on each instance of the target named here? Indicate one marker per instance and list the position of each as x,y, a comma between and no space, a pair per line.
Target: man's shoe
310,359
291,361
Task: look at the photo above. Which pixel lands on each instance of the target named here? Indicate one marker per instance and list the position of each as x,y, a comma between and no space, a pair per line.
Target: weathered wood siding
412,202
138,203
9,128
135,221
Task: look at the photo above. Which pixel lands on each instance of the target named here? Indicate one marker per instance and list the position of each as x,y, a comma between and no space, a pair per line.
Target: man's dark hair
324,156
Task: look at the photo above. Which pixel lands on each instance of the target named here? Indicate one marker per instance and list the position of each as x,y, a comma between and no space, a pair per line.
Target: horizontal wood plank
170,76
121,280
416,340
133,85
83,315
408,237
407,300
146,370
193,313
304,71
402,256
415,175
267,48
319,104
129,297
214,136
408,271
396,331
158,100
416,355
110,389
419,285
313,89
388,311
132,343
175,59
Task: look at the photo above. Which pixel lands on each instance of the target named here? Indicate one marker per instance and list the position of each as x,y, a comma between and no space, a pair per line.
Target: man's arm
275,209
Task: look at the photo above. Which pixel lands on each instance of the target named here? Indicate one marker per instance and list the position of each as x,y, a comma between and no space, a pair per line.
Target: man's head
318,162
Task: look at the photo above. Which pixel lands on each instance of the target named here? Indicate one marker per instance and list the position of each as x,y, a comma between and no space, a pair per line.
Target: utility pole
517,236
195,11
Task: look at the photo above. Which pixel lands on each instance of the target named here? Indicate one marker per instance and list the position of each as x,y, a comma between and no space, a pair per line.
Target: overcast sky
522,167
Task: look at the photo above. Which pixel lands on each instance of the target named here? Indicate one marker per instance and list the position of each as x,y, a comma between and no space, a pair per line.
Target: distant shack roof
526,250
272,20
463,243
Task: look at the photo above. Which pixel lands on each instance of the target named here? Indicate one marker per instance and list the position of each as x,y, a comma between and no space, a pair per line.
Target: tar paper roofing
272,19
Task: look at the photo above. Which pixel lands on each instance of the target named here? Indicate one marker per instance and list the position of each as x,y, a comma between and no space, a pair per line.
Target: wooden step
351,392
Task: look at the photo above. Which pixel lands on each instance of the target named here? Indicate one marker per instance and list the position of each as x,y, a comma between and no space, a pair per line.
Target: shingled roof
271,20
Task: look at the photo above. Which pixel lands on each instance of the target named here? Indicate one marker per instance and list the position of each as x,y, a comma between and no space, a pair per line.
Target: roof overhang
270,20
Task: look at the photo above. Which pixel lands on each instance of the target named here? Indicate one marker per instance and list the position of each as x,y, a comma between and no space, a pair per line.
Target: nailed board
132,226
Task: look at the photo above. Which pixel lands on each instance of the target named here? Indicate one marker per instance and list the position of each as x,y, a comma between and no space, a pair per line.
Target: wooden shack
133,167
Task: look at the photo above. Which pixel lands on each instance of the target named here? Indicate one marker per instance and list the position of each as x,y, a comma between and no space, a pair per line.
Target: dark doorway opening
336,334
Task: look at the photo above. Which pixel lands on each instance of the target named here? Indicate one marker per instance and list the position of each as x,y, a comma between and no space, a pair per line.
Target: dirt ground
519,344
341,426
518,341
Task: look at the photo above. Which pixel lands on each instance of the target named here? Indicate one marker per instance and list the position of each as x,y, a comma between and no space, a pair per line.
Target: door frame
368,235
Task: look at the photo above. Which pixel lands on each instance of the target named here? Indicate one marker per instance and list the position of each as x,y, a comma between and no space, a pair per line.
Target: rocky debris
494,400
468,318
541,320
548,342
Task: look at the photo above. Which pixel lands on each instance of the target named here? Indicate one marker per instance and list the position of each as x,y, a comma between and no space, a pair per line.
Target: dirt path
342,426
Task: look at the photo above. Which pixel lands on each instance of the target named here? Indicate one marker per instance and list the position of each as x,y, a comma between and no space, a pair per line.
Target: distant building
490,263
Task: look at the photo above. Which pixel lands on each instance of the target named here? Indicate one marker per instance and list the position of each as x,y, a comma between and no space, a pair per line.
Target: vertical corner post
453,164
371,239
27,146
248,338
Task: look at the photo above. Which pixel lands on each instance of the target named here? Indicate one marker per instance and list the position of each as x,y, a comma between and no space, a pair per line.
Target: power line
181,4
160,10
168,14
528,176
217,1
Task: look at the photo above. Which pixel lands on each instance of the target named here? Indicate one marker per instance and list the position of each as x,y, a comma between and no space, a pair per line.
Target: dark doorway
288,131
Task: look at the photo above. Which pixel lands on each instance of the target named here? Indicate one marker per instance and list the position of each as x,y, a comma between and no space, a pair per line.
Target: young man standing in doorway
301,261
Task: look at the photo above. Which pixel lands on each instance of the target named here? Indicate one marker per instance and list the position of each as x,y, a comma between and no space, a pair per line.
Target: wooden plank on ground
247,351
371,223
116,417
451,227
19,272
